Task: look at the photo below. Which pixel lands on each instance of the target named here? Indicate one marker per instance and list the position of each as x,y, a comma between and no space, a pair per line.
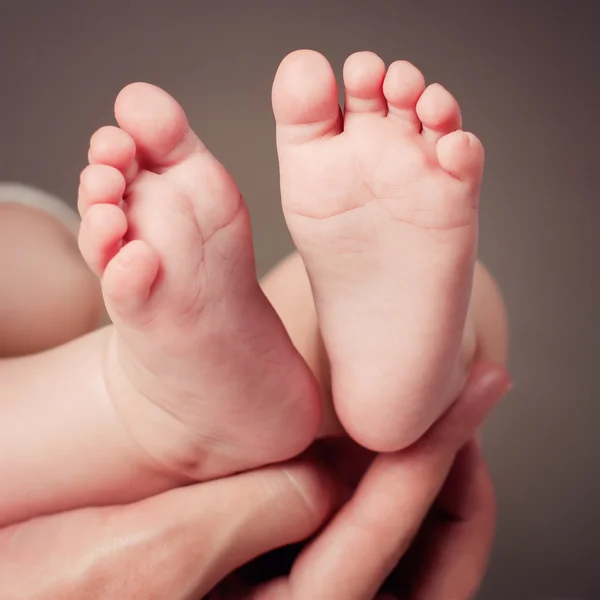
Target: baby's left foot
382,204
198,365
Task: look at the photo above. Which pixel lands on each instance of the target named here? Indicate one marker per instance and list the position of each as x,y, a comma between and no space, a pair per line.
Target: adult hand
373,535
174,546
180,544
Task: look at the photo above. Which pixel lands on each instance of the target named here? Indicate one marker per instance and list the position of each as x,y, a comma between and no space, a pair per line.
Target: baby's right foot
382,204
199,366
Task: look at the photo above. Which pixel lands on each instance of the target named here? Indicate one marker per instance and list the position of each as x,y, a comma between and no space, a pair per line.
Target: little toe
364,73
439,112
403,86
114,147
101,235
305,98
100,184
157,124
128,280
462,155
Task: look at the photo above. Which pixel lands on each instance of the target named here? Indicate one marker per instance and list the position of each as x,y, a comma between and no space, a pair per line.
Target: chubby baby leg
47,293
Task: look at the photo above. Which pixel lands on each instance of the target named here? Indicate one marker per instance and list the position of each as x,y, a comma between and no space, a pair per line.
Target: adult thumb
176,545
220,525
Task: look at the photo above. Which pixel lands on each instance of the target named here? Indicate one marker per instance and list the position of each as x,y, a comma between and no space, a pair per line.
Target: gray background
526,76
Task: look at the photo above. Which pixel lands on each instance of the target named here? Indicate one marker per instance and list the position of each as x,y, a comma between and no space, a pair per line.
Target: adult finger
176,545
452,555
351,558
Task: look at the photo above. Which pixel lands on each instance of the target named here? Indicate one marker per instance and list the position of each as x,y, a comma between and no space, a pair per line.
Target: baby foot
382,205
198,366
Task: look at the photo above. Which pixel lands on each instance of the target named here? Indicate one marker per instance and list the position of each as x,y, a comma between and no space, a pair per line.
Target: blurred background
526,75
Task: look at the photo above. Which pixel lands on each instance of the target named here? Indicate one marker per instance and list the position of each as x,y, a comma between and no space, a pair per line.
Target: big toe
157,124
305,97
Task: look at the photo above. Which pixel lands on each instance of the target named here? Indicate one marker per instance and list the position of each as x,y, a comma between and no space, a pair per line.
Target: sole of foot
382,203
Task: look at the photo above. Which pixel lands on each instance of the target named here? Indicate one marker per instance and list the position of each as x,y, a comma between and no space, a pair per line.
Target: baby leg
47,295
197,378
